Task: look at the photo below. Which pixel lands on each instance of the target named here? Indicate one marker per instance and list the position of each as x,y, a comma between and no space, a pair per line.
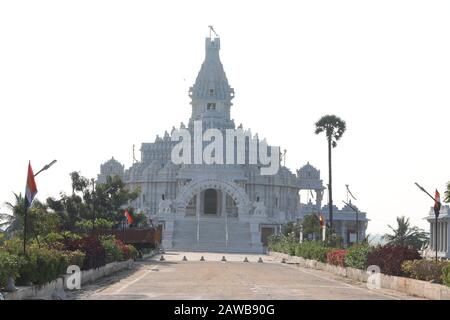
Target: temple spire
211,94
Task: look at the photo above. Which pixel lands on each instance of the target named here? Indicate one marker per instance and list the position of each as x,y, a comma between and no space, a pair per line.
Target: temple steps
212,235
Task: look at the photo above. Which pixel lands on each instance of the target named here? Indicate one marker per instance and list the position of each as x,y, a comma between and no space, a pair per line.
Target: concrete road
233,279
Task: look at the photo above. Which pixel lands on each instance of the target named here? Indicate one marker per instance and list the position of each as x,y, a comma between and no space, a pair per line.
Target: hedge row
392,259
46,261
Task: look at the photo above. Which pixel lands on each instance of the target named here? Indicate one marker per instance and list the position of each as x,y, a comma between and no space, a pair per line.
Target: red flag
437,203
30,189
128,216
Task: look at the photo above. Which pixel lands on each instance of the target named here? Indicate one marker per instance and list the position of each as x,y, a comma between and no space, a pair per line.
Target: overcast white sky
81,81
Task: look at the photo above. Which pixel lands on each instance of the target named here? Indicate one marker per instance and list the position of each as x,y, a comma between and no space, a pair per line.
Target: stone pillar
343,232
167,233
432,236
319,194
448,241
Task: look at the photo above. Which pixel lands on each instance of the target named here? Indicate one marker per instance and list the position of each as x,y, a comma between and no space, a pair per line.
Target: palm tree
406,235
447,193
334,127
14,222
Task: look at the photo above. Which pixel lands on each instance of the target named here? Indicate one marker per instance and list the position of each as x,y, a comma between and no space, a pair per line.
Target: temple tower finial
211,30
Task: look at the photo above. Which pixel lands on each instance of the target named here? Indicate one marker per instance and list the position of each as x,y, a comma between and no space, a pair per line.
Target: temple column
343,232
431,236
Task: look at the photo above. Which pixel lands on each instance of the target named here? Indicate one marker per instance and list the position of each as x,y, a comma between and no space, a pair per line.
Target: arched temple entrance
212,197
210,202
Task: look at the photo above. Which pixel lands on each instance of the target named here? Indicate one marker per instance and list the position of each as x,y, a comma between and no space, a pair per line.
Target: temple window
211,106
211,92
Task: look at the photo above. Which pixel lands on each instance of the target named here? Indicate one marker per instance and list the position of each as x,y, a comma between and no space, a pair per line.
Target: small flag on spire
128,216
30,189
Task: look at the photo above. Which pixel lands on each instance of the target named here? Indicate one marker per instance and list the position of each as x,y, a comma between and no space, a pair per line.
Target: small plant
357,256
91,247
446,274
9,267
337,257
427,270
313,250
390,258
112,248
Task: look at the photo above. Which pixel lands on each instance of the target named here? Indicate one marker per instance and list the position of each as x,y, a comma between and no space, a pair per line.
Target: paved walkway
233,279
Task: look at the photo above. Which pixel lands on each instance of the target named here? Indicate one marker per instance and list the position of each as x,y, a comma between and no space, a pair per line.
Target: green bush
313,250
41,265
427,270
9,267
446,275
357,256
75,257
113,252
132,252
284,244
100,224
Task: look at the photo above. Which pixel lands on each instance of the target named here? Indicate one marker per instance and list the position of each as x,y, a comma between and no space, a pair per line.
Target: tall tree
447,193
406,235
311,225
334,127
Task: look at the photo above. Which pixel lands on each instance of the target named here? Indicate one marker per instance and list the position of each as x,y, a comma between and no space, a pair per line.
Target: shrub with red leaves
337,257
92,248
124,248
390,258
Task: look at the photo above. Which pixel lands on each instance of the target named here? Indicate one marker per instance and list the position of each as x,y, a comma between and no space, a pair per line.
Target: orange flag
128,216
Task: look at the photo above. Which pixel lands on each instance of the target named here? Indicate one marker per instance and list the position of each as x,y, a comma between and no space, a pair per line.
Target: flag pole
436,215
28,205
25,229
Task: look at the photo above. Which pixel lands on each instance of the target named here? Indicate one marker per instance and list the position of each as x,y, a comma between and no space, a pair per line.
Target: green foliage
405,235
132,252
103,201
283,243
447,193
333,240
41,265
427,270
357,256
85,226
313,250
311,225
446,275
112,250
333,126
140,220
75,257
9,267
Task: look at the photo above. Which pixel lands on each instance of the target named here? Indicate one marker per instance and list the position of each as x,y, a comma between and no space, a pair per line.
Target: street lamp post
436,215
46,167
